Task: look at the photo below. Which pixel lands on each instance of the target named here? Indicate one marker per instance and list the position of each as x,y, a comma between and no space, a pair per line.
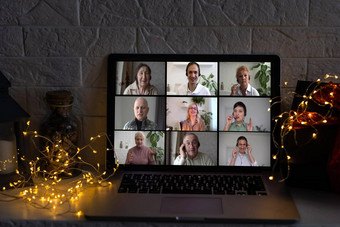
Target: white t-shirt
242,160
251,91
200,90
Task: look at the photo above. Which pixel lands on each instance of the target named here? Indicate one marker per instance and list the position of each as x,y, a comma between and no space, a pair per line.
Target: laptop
189,147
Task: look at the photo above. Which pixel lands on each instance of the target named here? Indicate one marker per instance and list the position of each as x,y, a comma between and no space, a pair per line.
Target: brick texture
47,45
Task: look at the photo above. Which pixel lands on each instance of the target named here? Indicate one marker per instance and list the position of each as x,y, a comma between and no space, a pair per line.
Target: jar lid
59,98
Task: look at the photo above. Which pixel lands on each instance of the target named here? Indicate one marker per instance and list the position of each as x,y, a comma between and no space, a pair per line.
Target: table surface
316,208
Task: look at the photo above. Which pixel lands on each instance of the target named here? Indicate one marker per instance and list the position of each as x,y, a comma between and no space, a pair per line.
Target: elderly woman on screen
140,154
141,85
243,88
193,122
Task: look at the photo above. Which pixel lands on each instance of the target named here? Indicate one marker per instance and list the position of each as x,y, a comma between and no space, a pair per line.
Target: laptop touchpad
185,205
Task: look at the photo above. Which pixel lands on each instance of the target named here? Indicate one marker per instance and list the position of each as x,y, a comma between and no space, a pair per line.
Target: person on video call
239,113
141,122
141,85
189,154
239,156
140,154
243,88
193,122
193,87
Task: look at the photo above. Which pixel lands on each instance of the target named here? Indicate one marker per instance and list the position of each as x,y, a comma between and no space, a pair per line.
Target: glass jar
8,148
61,132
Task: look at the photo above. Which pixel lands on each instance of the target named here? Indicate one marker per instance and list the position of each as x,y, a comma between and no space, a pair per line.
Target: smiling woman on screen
141,85
193,122
140,154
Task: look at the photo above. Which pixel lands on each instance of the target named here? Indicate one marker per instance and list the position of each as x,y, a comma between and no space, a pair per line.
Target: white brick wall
50,44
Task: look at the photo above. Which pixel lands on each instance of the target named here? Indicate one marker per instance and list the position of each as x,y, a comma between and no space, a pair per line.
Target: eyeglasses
194,143
192,108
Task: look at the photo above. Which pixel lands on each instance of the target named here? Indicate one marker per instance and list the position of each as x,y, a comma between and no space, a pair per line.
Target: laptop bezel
111,93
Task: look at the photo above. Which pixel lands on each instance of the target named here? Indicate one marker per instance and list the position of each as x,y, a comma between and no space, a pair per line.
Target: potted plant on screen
210,83
154,137
263,75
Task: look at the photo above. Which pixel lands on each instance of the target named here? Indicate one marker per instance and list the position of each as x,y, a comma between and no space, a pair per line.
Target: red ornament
329,93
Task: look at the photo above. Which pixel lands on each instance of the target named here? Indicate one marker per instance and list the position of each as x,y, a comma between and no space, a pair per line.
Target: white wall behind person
176,74
124,110
260,143
228,74
257,110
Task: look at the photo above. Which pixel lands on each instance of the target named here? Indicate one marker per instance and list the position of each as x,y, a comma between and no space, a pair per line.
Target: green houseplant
263,75
206,116
209,82
198,100
154,137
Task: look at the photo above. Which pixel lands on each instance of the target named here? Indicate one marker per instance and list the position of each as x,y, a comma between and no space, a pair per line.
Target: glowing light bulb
271,178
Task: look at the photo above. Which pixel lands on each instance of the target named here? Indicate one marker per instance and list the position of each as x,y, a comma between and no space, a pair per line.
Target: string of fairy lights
52,191
58,187
324,94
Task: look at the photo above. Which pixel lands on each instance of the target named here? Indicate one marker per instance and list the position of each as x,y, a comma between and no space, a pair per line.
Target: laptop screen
169,110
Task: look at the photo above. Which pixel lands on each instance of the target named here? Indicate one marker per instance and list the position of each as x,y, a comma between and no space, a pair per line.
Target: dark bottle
59,148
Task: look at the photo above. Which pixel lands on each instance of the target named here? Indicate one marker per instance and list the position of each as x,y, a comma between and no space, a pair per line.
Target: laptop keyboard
192,184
